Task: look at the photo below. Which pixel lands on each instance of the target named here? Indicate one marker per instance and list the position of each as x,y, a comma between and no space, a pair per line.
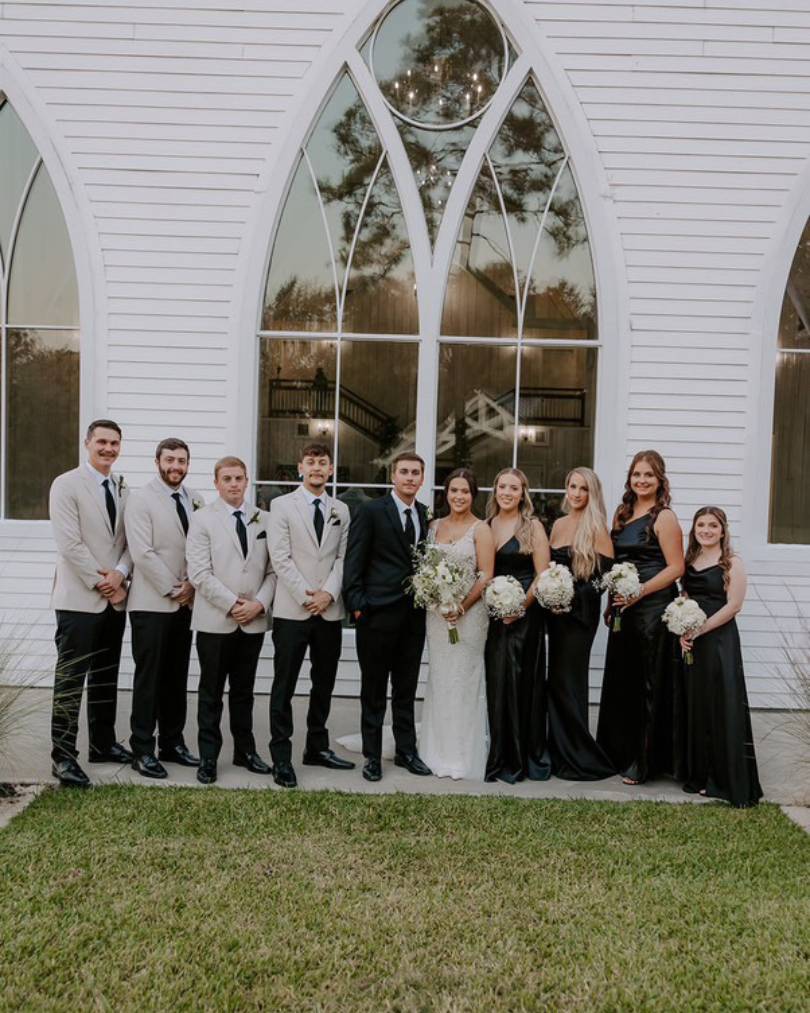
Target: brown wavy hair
726,555
523,531
469,478
662,493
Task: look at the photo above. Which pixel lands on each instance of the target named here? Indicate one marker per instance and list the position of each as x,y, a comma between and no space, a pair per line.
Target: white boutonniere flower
333,516
255,517
196,504
121,484
429,514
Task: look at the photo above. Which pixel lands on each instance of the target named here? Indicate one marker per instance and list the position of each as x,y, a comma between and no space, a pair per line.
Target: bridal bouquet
684,617
621,579
554,588
441,582
504,598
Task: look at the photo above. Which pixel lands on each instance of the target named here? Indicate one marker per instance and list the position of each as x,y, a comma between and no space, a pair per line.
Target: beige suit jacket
157,544
221,574
301,564
84,542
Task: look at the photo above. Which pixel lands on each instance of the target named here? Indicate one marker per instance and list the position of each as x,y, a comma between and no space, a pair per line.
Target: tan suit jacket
84,542
221,574
301,564
157,544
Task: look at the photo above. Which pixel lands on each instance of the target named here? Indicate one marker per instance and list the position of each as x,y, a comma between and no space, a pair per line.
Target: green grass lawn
139,899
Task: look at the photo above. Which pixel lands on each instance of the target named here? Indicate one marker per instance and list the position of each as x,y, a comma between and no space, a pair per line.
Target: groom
390,629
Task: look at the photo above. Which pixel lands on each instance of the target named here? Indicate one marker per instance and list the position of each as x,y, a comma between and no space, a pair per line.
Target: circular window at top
438,62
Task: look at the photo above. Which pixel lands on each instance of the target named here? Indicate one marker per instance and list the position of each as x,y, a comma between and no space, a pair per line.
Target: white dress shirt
311,497
402,507
100,479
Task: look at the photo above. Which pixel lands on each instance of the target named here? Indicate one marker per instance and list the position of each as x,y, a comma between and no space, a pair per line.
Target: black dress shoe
207,771
148,766
253,762
115,754
284,775
372,771
179,754
70,774
326,758
413,763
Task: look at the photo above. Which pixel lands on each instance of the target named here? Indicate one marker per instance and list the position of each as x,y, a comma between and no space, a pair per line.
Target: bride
453,740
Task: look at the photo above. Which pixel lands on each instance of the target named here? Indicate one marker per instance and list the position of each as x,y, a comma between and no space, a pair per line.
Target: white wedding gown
453,739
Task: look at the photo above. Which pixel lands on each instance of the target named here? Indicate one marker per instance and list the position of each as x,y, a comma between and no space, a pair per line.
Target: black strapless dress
516,670
720,754
641,710
575,755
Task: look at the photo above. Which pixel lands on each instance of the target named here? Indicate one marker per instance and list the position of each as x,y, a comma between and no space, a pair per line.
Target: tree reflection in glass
522,265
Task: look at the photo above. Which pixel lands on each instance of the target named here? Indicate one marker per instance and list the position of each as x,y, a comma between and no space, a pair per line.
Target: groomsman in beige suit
308,531
229,567
89,590
159,606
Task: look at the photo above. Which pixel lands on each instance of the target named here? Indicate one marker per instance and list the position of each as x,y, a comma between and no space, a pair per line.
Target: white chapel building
497,232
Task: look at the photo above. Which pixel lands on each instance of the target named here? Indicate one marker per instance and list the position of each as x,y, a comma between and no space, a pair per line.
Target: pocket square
261,534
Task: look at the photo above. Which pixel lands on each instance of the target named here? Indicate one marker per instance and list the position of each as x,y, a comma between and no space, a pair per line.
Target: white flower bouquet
621,579
505,598
684,617
441,582
554,588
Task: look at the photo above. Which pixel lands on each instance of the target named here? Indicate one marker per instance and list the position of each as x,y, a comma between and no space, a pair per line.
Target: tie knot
317,504
407,511
106,483
176,497
238,513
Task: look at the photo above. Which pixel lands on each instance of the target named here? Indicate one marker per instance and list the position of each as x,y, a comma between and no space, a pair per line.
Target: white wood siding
166,114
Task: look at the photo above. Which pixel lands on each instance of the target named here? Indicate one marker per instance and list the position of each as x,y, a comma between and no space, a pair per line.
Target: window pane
300,293
17,158
794,325
438,61
265,494
547,507
355,496
435,157
42,289
475,422
296,403
43,416
790,489
377,407
381,295
556,413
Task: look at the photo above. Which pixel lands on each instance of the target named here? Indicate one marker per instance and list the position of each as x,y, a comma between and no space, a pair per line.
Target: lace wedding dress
453,738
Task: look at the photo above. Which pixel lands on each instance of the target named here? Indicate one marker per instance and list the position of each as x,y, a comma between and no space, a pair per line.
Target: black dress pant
161,645
88,646
233,658
291,638
390,640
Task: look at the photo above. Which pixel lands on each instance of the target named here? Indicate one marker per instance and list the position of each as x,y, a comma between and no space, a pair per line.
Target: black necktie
241,531
318,520
410,530
181,511
110,500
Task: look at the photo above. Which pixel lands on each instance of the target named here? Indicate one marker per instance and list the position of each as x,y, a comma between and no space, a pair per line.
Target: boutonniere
429,514
121,484
254,518
333,516
196,504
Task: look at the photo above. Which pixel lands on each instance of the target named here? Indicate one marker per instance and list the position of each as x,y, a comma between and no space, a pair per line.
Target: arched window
790,488
39,314
509,356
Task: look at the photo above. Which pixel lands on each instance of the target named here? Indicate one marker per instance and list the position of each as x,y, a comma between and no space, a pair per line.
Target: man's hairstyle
229,462
171,443
407,455
316,450
103,424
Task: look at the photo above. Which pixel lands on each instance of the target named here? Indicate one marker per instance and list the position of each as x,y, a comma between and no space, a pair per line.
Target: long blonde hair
523,531
592,524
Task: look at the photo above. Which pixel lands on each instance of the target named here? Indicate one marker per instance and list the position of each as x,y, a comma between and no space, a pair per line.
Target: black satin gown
720,754
641,710
575,754
515,658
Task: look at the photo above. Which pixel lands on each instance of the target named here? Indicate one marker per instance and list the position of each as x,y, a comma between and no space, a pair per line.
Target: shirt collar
401,506
97,475
232,509
311,497
171,491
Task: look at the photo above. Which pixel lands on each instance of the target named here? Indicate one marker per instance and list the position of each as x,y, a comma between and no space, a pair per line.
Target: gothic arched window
39,314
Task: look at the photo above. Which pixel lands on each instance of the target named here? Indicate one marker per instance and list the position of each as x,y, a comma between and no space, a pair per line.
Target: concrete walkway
784,763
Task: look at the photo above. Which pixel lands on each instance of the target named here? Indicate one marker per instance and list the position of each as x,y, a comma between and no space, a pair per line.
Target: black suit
391,630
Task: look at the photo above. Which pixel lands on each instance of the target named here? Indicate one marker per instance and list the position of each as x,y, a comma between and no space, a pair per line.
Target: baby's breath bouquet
505,598
684,617
554,588
621,579
441,582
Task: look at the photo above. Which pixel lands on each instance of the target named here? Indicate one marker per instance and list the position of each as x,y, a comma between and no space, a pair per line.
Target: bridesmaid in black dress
515,648
641,711
581,541
720,758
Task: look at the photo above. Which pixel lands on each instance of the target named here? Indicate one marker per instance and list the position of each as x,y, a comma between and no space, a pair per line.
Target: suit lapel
307,513
96,494
166,503
228,522
392,511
